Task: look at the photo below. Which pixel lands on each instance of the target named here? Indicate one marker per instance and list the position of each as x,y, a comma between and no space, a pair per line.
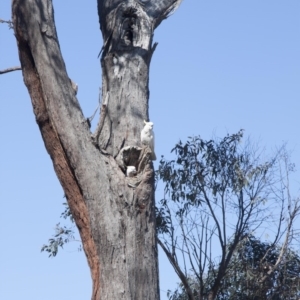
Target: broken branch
10,24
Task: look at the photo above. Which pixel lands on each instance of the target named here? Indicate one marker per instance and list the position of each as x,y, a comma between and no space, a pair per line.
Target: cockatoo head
148,124
131,171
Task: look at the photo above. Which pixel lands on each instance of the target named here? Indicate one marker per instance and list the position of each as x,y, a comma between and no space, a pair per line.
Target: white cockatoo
131,171
147,137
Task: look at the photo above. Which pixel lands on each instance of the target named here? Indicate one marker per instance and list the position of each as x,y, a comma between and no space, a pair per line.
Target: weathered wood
114,213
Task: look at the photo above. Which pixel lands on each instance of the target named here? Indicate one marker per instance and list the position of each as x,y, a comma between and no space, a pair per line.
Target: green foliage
203,165
207,172
66,214
217,194
62,235
249,264
252,261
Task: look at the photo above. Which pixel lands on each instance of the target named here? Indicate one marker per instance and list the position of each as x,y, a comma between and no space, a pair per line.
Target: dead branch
10,24
10,69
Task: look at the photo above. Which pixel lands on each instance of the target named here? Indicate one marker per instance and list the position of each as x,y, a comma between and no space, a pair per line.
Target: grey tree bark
114,213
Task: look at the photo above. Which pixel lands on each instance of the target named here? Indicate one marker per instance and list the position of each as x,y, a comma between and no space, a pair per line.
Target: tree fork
114,213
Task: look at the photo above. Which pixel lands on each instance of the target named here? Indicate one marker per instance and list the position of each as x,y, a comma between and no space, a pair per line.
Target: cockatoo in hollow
131,171
147,137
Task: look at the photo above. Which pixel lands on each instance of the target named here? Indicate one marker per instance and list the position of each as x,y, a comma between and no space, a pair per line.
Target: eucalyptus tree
218,194
114,214
249,265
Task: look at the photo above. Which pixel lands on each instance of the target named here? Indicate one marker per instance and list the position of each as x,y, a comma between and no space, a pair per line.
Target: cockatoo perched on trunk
147,137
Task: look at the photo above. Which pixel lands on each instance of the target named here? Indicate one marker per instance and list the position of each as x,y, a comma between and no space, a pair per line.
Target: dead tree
114,213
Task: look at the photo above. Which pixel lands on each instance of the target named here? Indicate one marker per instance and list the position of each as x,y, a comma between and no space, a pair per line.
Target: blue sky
220,66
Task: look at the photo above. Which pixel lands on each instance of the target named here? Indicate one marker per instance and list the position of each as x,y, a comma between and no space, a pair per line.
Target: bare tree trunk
114,213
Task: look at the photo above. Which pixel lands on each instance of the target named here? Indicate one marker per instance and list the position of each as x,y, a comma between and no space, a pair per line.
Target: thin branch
205,259
10,69
186,242
93,115
223,207
10,23
177,269
214,217
293,215
96,135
